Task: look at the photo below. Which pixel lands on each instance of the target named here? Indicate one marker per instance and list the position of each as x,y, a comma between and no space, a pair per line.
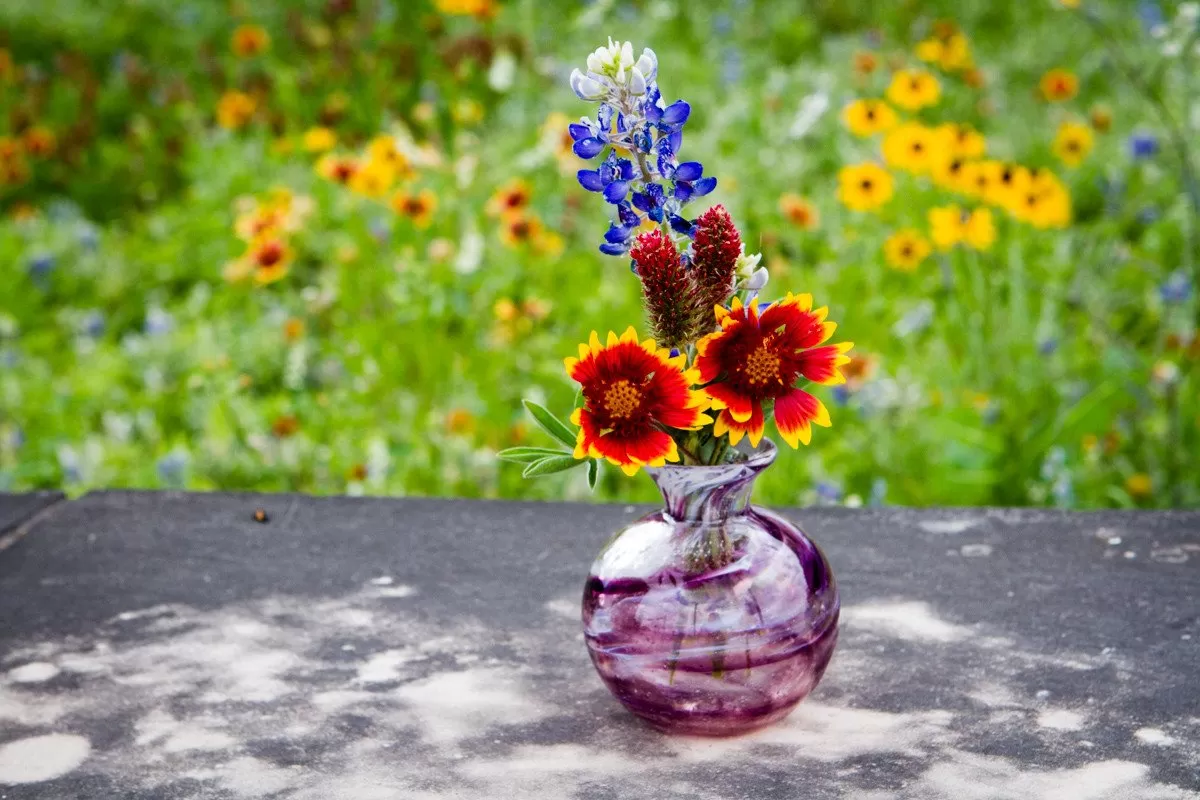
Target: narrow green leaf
552,464
593,472
550,423
524,455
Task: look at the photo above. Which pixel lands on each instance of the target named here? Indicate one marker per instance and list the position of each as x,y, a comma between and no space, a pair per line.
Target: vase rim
757,458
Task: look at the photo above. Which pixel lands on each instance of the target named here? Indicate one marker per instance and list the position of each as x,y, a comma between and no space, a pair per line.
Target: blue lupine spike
655,214
588,148
689,171
628,217
704,186
590,179
681,225
615,192
642,202
650,108
683,191
578,131
604,117
675,140
677,113
626,173
613,249
622,125
617,234
643,140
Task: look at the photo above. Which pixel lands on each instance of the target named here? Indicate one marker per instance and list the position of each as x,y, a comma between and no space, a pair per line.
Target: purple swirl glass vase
711,617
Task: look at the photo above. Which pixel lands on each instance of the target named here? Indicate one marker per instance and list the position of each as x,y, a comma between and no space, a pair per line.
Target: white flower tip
647,64
637,82
586,88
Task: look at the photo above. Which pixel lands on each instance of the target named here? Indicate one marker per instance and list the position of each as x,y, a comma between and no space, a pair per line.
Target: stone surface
16,509
157,645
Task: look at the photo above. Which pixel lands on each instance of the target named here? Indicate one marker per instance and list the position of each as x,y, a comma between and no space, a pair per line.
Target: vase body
711,617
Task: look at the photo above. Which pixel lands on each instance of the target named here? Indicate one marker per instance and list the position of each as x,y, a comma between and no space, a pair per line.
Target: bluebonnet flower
1047,346
829,492
158,322
92,324
170,468
40,266
841,395
1151,15
632,119
1148,215
1143,145
617,240
612,179
1177,288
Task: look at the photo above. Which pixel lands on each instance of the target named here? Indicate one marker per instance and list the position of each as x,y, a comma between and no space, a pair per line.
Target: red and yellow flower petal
820,365
725,423
723,396
796,413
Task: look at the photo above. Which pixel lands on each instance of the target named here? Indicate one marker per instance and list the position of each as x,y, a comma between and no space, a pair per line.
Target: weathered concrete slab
173,647
17,509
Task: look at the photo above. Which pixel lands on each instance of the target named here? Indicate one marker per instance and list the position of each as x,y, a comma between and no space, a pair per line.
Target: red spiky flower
669,295
756,358
715,253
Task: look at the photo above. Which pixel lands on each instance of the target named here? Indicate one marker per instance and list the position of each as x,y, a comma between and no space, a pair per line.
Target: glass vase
711,616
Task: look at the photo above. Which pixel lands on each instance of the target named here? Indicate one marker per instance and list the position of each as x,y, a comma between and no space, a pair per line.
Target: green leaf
551,464
524,455
551,424
593,472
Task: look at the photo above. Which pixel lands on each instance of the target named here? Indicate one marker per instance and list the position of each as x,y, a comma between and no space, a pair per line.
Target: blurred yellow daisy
319,139
914,89
1072,143
906,249
868,117
235,109
864,187
911,147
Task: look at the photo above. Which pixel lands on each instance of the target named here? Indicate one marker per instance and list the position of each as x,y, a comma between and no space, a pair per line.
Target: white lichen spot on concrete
1153,736
908,619
947,526
1060,720
36,672
42,758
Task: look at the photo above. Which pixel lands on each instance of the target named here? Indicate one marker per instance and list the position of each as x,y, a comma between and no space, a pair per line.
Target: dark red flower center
270,254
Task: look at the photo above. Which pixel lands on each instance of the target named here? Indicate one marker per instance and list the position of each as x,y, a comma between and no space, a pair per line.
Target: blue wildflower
1177,288
170,468
158,322
1048,346
40,266
1143,145
612,179
829,492
631,117
1151,15
92,324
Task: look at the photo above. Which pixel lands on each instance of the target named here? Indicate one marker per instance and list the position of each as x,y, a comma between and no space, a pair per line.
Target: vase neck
713,493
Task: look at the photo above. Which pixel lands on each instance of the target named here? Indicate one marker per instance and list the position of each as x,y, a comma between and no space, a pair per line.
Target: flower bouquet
718,362
710,616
